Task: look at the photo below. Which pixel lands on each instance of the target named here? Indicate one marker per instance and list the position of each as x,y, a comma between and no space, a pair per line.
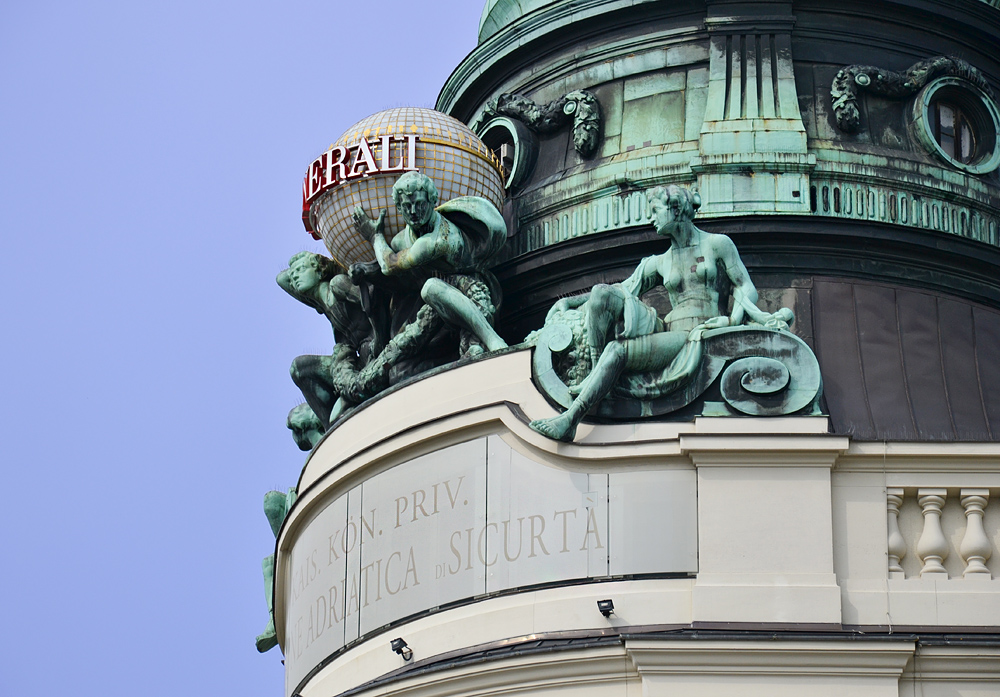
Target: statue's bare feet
557,428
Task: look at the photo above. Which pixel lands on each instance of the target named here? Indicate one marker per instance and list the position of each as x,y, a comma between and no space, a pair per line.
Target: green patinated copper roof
499,13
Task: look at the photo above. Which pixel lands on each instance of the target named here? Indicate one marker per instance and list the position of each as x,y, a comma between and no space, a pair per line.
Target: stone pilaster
752,146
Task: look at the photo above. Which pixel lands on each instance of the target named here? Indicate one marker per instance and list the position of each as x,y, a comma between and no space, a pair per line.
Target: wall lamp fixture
399,646
607,607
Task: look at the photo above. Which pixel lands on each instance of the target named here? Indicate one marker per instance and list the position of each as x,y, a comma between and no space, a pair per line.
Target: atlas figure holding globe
446,248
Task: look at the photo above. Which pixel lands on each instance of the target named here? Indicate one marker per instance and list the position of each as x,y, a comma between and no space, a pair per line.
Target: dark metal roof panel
958,351
918,317
988,361
881,364
837,348
901,364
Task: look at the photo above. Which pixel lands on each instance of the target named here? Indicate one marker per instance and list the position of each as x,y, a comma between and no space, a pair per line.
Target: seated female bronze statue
700,271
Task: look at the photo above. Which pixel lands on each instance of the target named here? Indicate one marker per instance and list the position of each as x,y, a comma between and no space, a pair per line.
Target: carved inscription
465,521
420,498
514,537
324,599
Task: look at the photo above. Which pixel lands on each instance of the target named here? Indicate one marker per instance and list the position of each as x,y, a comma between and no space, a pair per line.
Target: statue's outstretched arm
373,231
745,294
645,277
425,250
744,291
569,303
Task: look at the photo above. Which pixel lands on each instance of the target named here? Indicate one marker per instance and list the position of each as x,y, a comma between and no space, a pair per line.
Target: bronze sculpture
624,336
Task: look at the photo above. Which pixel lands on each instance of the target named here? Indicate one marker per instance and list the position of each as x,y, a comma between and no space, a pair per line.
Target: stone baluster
975,547
896,543
932,547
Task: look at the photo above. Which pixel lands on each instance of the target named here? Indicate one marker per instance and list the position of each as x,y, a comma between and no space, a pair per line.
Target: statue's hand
565,304
364,271
780,319
716,323
357,273
364,225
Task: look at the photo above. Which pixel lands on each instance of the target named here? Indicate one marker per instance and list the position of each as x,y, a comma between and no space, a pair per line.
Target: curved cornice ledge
498,48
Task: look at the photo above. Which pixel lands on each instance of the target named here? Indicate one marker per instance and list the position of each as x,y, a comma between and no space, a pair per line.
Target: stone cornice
500,47
744,658
799,450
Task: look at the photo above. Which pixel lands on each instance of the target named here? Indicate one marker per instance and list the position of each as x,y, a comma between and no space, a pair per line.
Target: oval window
958,122
514,146
953,131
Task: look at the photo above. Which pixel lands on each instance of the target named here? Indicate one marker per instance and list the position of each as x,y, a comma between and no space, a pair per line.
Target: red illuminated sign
341,164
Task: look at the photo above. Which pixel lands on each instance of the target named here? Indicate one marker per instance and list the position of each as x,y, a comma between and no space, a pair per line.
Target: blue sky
151,157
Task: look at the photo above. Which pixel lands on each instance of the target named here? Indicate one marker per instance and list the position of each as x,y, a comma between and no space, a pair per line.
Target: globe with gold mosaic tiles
447,151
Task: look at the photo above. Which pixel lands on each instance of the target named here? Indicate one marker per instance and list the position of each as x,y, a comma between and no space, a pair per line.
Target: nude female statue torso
625,334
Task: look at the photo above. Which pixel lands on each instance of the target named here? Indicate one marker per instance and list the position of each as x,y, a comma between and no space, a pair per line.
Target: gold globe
447,151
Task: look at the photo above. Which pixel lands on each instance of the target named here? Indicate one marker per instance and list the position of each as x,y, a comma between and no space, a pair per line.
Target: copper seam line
902,362
979,380
944,373
861,360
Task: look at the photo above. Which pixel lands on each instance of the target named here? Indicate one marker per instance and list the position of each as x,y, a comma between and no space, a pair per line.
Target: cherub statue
623,334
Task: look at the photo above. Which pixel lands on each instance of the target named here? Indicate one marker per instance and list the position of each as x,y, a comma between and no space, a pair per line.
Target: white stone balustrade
975,547
917,534
938,539
896,543
932,547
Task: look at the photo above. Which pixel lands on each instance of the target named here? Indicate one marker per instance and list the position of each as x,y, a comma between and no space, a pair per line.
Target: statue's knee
302,368
602,298
615,351
601,292
434,289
